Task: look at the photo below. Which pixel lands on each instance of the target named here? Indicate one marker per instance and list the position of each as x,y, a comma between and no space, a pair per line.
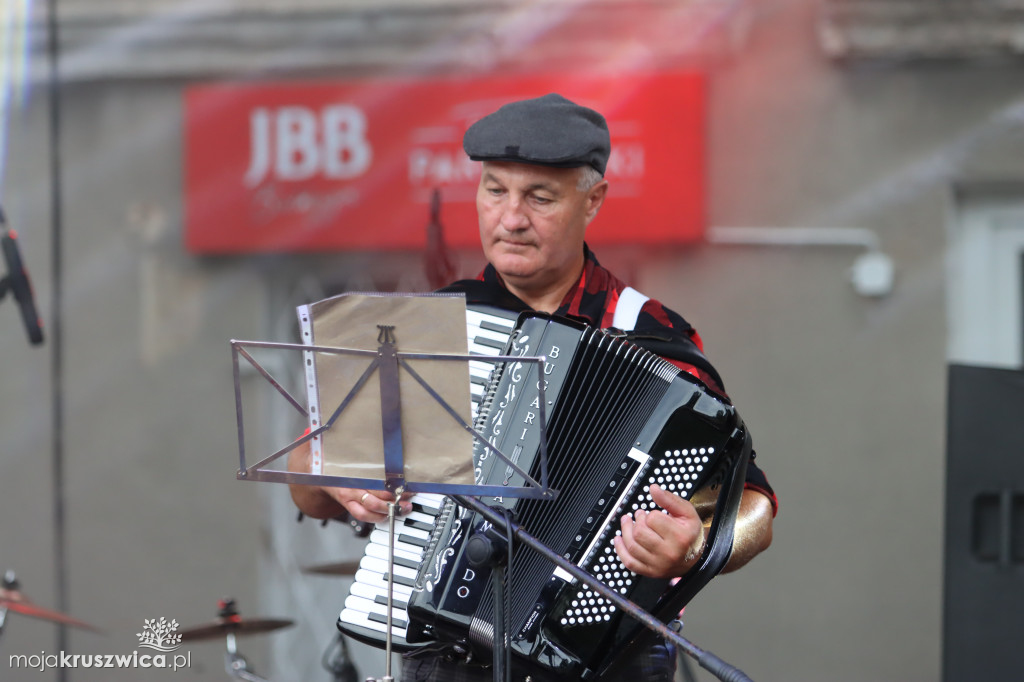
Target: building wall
844,395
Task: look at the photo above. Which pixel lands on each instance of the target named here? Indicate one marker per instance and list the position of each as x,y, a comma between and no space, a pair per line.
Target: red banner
345,165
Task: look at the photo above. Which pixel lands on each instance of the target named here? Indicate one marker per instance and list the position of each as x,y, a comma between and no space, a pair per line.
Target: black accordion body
618,419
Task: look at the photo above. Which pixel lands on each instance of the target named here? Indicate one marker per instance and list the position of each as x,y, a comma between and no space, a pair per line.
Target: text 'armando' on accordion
619,419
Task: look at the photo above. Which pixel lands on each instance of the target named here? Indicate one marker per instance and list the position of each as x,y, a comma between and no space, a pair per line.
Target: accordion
619,420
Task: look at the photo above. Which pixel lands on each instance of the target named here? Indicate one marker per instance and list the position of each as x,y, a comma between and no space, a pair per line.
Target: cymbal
339,568
16,602
236,625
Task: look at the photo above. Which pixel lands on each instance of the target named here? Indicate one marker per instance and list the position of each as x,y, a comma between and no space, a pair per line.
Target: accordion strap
627,309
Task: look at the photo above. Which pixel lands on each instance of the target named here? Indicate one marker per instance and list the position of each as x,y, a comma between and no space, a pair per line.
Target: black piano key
406,563
410,540
492,326
401,580
381,618
383,600
489,343
418,525
422,507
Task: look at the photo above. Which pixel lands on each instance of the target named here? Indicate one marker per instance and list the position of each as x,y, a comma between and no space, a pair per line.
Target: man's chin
513,267
514,279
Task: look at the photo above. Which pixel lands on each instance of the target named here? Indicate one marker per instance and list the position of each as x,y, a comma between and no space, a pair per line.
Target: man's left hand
661,544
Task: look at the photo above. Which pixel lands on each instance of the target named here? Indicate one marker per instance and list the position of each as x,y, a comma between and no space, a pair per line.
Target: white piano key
363,620
381,566
480,371
477,349
430,500
401,527
377,582
420,517
413,533
363,605
372,594
380,551
380,537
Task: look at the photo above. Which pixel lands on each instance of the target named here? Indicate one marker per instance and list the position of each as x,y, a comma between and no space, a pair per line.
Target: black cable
501,584
498,589
56,336
508,593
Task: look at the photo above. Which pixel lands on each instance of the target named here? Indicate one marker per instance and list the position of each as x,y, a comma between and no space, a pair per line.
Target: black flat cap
546,131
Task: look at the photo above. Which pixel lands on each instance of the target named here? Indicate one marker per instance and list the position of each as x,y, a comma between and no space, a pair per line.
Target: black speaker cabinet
983,600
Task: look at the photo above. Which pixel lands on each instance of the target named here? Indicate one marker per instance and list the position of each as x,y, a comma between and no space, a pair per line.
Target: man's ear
595,198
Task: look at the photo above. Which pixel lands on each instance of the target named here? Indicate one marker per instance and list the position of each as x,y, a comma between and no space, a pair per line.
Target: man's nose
514,216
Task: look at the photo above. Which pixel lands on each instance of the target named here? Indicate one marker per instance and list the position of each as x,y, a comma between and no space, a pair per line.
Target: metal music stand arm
394,465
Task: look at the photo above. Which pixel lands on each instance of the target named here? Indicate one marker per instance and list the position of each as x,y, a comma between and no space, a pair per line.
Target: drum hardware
230,624
338,663
13,600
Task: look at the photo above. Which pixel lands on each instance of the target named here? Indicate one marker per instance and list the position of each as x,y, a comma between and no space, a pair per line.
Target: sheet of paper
436,448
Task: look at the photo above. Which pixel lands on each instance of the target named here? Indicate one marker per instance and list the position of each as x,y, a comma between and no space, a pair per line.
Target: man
541,185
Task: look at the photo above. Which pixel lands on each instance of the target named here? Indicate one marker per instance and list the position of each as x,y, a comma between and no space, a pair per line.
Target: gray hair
589,176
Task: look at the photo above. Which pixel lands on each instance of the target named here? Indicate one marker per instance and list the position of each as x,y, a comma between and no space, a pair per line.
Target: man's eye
542,200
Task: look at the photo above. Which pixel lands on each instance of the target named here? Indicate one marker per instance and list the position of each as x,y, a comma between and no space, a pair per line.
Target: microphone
18,282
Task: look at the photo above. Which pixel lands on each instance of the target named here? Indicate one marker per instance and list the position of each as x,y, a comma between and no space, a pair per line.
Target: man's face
532,223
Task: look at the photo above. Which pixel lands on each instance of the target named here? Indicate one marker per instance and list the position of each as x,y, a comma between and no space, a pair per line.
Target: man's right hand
322,502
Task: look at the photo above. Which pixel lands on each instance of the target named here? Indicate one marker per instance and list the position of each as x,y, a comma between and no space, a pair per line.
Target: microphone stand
18,283
236,665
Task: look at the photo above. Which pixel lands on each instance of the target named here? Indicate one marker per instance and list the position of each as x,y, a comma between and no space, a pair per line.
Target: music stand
387,362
